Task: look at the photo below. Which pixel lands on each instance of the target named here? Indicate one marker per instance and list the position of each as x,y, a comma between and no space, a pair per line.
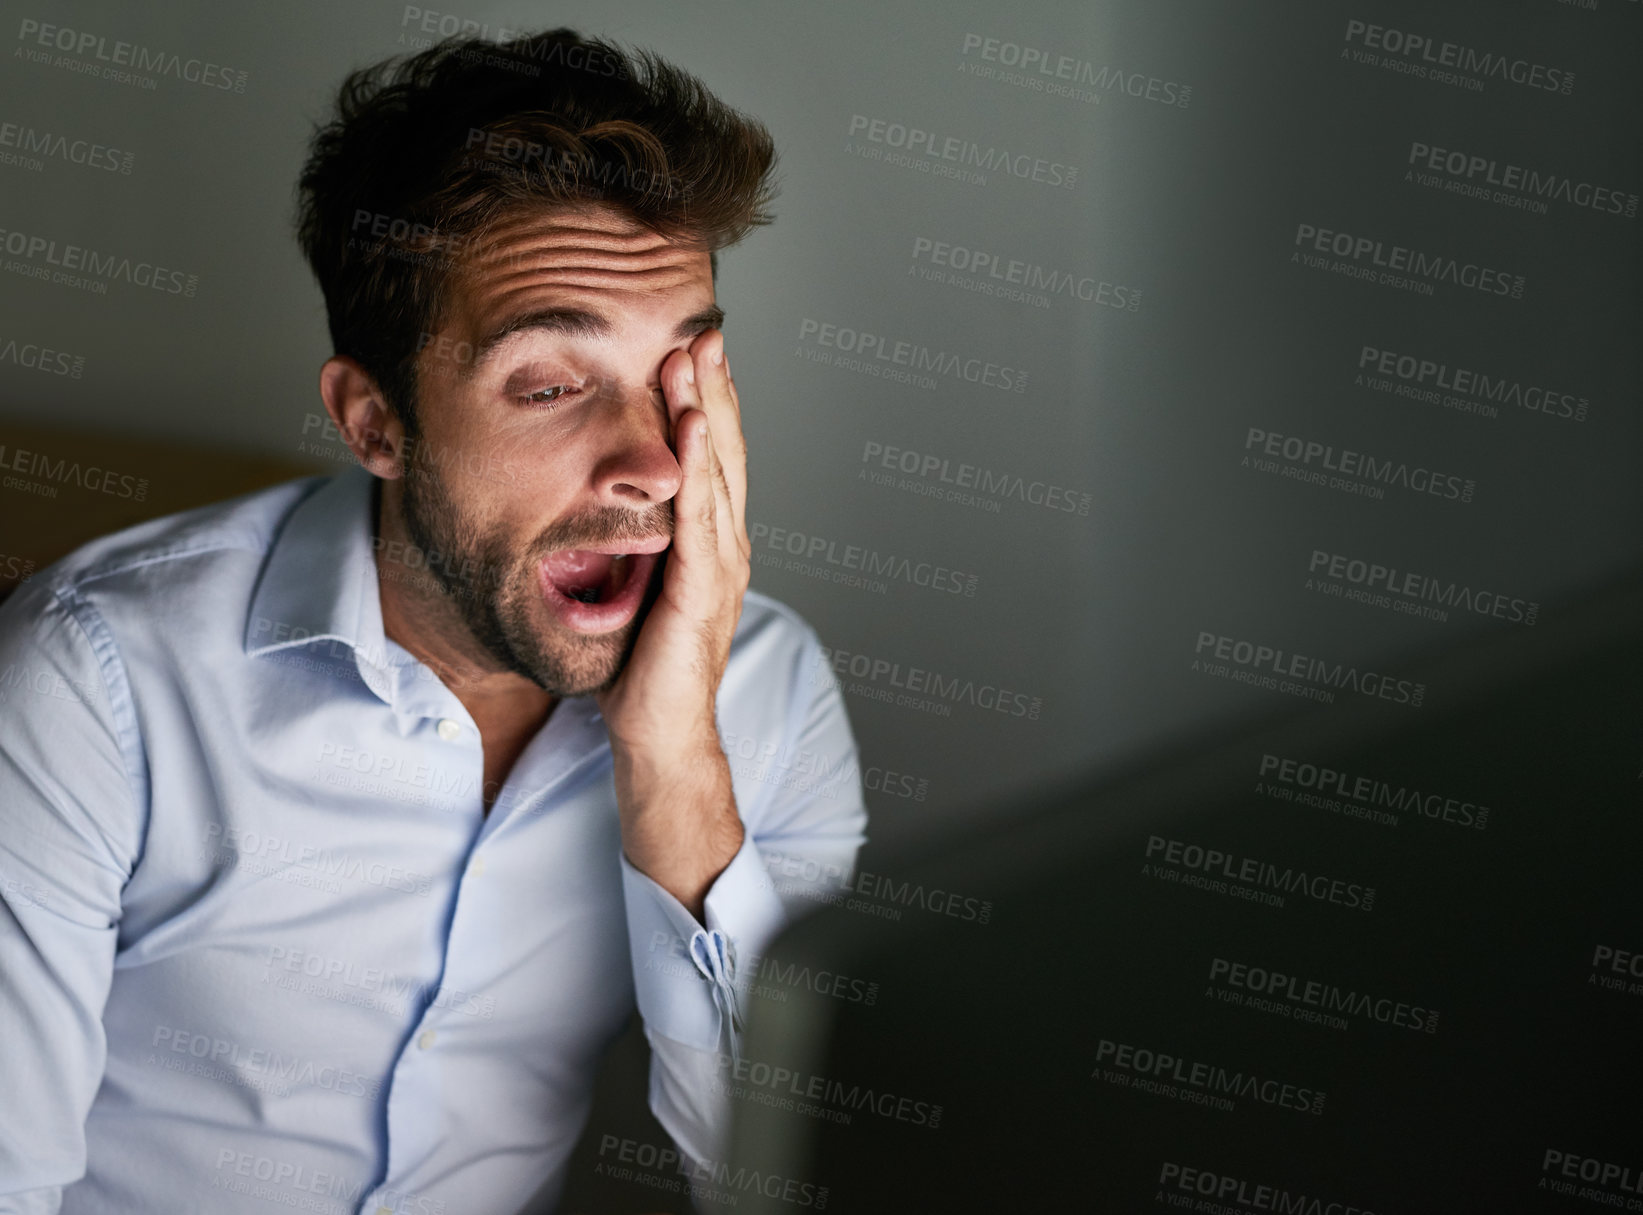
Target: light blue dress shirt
261,944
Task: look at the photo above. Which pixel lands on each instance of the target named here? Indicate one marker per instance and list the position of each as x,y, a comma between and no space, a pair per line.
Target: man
342,825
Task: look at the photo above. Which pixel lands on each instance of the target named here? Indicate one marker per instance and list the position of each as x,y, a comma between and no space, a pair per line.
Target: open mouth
589,577
594,589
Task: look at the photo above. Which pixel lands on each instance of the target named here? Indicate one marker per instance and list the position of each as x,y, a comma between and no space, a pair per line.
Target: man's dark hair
425,153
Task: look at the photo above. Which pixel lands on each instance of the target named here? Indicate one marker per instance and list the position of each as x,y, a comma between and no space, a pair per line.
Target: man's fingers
729,535
692,380
679,387
694,503
695,381
696,510
713,345
723,408
738,498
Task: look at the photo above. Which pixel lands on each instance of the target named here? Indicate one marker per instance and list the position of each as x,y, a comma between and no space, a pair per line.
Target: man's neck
418,614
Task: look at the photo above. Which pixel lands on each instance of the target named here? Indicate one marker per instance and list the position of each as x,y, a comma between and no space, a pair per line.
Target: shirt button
385,1211
426,1039
449,730
477,869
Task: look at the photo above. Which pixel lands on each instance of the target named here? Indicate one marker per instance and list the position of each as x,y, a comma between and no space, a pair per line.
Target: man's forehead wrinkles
643,240
575,273
499,289
650,251
575,249
582,270
544,262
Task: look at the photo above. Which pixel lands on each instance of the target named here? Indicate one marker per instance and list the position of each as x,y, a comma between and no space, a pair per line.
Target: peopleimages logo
707,1180
1476,176
227,844
916,683
815,554
1369,791
933,471
1616,969
374,987
40,358
1413,593
1213,1081
1423,56
767,975
1058,75
1372,472
1011,278
15,678
814,772
65,471
77,45
1263,875
1401,266
297,1184
769,1084
84,152
1313,999
256,1067
913,356
1225,1190
1436,382
97,268
1627,1179
918,141
805,877
1278,669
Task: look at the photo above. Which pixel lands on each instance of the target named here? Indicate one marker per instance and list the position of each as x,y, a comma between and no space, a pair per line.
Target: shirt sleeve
69,836
690,978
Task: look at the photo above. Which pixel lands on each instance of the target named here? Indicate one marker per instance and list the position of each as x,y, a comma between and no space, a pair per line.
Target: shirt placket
426,708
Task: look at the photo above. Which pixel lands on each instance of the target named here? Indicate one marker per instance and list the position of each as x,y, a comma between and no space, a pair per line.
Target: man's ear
372,431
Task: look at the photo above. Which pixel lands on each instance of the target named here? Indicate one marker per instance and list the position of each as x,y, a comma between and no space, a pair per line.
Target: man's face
545,448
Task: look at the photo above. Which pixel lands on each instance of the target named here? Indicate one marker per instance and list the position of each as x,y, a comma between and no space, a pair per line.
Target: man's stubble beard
494,589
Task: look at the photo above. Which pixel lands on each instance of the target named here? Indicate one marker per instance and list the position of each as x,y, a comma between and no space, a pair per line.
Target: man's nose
638,465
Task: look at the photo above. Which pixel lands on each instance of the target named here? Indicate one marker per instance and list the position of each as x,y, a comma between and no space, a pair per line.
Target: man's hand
673,791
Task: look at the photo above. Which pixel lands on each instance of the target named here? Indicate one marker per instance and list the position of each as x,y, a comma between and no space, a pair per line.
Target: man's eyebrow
581,322
711,317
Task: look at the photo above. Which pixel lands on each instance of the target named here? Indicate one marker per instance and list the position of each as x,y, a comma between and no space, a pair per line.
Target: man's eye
546,397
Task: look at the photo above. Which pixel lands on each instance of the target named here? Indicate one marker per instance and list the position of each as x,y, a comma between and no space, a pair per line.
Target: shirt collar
320,584
320,580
